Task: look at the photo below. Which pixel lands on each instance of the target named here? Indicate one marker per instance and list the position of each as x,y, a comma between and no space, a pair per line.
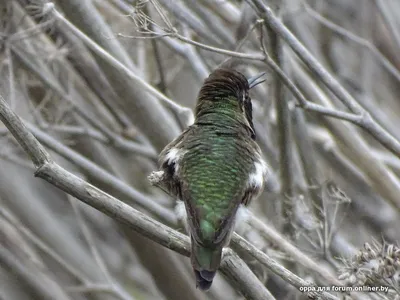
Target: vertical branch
284,135
162,85
156,49
143,107
369,124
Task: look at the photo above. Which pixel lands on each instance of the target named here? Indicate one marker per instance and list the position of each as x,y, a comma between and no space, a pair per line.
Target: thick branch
120,211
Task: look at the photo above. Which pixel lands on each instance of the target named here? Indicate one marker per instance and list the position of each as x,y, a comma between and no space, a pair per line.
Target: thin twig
104,176
384,181
299,283
287,247
355,38
181,12
286,166
120,211
371,126
122,144
248,56
123,295
43,246
121,67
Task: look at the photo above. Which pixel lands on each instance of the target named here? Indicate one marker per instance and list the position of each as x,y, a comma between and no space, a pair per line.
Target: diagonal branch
186,112
368,123
355,38
144,225
241,277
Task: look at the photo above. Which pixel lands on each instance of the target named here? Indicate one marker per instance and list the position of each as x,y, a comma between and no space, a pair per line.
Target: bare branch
119,211
355,38
384,137
109,58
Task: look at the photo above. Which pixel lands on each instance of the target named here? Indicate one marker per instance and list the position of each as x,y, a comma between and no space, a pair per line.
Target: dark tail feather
205,262
204,279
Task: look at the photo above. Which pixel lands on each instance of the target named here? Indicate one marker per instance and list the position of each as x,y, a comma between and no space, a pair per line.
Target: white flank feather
241,219
180,211
173,156
259,175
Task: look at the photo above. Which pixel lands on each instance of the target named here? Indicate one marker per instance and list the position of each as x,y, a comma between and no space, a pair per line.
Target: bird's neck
223,114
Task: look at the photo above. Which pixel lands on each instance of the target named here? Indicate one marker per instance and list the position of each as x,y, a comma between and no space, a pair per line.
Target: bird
214,168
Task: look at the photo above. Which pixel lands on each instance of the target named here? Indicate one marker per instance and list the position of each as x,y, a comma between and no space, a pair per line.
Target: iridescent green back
216,168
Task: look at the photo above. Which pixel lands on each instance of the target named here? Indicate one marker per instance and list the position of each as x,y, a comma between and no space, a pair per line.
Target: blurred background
333,191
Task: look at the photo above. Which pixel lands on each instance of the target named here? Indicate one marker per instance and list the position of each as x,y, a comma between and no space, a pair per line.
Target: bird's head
227,91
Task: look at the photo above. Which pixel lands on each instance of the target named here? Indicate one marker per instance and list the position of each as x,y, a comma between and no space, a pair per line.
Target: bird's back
216,170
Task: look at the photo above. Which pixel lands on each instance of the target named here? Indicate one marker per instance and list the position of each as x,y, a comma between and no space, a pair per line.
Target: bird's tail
205,262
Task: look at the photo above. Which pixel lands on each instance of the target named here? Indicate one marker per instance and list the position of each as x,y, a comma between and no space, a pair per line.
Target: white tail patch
258,177
173,156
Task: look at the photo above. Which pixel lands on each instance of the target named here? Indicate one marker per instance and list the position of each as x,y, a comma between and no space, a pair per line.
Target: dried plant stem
368,123
104,176
187,113
148,227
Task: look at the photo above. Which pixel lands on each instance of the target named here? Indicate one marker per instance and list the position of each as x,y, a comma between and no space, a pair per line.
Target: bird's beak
253,81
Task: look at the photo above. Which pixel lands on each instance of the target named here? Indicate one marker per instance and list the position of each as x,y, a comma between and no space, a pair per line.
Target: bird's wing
164,157
169,161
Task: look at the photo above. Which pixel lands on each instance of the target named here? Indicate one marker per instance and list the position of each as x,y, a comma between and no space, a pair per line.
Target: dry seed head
375,264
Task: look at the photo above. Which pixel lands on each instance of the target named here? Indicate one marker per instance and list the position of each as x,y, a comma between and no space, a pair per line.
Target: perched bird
214,167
